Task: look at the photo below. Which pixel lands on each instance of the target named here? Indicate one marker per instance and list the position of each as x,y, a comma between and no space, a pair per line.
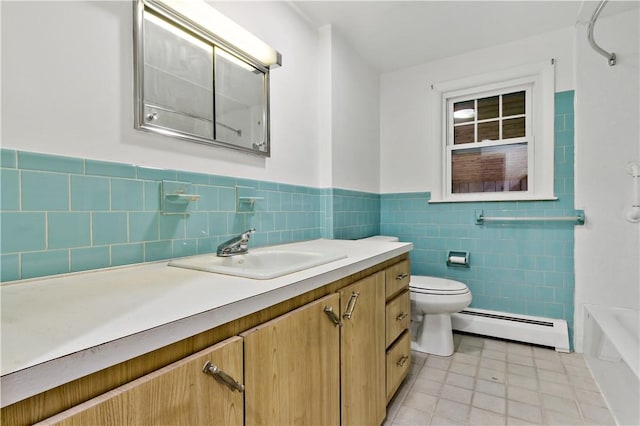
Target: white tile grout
478,385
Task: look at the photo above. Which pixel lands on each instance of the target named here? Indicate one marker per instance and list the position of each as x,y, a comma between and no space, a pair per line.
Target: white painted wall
355,120
410,161
607,248
67,88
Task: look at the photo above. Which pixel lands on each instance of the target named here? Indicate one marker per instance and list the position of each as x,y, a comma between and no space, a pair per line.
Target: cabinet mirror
192,85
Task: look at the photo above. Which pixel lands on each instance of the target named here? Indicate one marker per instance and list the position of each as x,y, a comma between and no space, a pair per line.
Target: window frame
540,78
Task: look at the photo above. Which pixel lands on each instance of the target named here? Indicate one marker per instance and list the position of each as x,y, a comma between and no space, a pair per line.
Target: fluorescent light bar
207,17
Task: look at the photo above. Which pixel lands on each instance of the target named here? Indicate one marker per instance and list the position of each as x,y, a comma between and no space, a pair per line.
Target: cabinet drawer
398,316
398,363
397,278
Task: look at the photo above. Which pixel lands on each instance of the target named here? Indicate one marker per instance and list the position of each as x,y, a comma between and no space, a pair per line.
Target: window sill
492,199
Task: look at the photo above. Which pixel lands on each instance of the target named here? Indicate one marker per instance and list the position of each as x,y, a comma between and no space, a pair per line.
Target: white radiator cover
522,328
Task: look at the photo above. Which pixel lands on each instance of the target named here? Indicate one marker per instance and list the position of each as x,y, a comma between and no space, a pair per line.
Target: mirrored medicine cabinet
193,85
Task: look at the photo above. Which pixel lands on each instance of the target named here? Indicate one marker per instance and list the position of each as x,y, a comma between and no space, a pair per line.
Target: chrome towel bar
579,218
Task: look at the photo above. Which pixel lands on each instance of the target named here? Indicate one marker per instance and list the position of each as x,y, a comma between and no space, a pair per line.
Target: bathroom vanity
328,344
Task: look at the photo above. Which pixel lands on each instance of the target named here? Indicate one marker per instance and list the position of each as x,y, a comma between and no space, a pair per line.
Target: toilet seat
439,286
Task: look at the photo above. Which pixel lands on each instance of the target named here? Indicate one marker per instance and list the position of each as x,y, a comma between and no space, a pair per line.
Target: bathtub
612,352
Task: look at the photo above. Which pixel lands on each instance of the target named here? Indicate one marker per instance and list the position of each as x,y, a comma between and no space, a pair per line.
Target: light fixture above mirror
201,77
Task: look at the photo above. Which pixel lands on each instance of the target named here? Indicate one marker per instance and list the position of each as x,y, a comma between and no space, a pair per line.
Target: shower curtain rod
610,56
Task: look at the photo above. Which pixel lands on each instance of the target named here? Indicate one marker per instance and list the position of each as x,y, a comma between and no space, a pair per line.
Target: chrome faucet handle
247,234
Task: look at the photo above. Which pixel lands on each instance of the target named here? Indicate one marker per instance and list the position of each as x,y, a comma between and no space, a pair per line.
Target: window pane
491,169
463,111
513,128
488,131
513,104
488,107
463,134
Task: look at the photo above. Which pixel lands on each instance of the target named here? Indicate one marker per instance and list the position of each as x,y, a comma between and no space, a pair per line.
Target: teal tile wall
61,214
524,268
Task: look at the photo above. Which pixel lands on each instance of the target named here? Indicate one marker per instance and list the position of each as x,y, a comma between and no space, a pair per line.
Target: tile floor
493,382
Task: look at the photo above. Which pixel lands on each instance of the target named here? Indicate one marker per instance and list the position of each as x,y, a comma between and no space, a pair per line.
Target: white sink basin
260,264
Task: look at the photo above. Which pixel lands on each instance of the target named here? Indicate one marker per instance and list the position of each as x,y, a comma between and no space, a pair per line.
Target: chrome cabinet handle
152,116
332,316
401,316
403,359
222,377
402,276
351,305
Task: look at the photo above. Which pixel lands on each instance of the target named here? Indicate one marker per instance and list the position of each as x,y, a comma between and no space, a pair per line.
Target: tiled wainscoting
63,214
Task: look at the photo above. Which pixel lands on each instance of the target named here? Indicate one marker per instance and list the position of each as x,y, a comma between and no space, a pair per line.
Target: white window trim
541,150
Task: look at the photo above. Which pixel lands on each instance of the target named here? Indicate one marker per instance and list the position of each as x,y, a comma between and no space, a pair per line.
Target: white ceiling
392,35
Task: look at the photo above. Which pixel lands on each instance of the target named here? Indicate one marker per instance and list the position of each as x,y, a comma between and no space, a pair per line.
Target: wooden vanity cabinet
398,318
323,357
292,368
363,351
178,394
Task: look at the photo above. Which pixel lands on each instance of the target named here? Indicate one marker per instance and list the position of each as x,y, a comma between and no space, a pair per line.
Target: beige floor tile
544,353
452,410
519,348
493,354
454,393
440,362
462,368
527,396
434,374
478,416
489,402
408,416
476,341
512,421
552,376
522,370
495,345
523,411
492,375
467,355
596,415
560,405
492,388
517,358
493,364
460,380
420,401
427,386
590,398
522,381
557,389
550,364
553,418
494,382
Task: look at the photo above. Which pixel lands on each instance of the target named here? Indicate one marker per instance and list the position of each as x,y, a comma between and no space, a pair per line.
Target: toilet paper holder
458,258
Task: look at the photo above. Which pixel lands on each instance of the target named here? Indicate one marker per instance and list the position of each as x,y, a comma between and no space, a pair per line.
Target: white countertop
60,328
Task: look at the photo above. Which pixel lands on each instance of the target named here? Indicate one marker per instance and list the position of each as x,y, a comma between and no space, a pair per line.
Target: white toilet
433,300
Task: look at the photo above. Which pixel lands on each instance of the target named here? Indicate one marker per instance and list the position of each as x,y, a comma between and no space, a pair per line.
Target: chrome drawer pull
401,316
332,316
351,305
402,360
222,377
402,276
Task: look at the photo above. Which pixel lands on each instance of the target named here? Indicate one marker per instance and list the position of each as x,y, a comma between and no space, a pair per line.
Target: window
488,141
496,136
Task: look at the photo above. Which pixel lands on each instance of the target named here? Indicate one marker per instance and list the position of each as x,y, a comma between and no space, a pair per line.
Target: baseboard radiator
522,328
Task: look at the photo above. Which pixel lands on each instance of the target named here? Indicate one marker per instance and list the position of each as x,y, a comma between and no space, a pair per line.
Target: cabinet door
363,351
292,368
179,394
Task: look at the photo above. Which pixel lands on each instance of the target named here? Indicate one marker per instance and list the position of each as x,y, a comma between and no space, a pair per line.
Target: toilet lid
433,285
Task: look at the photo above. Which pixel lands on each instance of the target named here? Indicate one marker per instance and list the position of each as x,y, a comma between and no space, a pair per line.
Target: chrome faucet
236,245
